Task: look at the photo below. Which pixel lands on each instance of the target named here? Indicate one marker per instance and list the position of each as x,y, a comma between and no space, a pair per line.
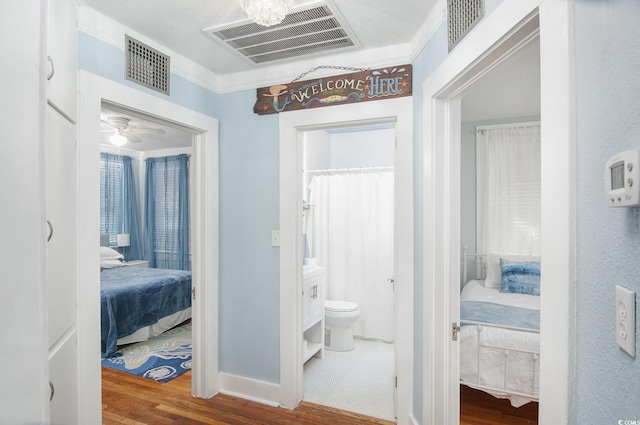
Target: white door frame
292,128
204,221
507,26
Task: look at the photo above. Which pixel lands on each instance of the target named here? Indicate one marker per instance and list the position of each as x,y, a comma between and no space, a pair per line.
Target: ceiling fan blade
139,130
107,123
131,137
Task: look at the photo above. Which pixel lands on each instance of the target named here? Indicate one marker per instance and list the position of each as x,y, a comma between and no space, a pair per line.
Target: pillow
520,277
493,278
110,263
107,253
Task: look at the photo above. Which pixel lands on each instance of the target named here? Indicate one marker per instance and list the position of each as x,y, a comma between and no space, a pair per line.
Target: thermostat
622,179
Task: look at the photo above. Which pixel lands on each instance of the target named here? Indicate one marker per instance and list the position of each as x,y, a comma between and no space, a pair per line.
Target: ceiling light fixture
118,139
266,12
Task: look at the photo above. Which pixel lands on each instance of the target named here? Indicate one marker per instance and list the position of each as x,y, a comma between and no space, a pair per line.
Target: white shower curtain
350,231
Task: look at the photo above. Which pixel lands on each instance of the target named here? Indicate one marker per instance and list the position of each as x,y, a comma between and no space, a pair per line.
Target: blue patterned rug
162,358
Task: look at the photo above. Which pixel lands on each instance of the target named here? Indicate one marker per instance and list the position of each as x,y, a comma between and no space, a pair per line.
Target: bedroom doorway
150,171
504,31
500,116
94,90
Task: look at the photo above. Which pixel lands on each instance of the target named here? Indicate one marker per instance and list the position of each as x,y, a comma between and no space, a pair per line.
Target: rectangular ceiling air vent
146,66
462,16
302,32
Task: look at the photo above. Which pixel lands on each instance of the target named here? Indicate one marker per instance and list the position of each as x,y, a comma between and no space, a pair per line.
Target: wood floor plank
480,408
131,400
128,399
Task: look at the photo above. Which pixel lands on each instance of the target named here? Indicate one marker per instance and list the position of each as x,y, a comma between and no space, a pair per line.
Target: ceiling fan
122,132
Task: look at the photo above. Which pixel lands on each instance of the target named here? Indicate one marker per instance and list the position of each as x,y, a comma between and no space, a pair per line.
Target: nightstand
136,263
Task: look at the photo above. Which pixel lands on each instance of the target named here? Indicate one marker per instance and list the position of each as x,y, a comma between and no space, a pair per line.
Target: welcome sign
383,83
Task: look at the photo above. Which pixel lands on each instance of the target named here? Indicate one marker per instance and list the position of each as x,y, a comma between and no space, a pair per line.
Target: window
111,196
167,212
508,189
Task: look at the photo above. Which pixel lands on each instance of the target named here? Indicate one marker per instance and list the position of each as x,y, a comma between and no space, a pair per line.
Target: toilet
339,317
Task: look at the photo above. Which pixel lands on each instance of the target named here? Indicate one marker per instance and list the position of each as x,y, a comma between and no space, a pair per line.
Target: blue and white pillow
520,277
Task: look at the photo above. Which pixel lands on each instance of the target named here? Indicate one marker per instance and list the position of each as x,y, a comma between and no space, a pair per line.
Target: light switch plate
275,238
626,319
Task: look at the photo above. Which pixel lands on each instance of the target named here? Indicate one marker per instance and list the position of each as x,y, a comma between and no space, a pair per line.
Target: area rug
161,358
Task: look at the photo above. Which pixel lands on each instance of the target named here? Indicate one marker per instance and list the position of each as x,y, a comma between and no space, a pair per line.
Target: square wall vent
146,66
314,29
462,16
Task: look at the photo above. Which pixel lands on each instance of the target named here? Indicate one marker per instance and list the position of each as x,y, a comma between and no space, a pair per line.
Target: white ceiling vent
302,32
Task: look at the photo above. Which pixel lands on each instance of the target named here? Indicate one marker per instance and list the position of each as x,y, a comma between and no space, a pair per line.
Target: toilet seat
340,306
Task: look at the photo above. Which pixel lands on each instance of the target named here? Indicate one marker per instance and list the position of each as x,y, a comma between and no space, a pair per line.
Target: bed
139,303
500,328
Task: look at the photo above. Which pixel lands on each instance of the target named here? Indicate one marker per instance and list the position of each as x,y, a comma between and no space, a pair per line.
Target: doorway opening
293,126
94,90
502,33
145,198
348,241
500,224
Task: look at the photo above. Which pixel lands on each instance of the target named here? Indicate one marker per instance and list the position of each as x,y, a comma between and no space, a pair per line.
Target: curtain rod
351,170
483,128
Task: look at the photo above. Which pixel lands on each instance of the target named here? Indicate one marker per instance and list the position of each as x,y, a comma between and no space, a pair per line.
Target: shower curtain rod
352,170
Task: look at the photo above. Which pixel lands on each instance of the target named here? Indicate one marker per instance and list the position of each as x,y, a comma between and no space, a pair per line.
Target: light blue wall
249,265
607,35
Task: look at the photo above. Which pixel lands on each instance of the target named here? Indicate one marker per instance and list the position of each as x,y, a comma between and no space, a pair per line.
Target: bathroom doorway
348,250
395,113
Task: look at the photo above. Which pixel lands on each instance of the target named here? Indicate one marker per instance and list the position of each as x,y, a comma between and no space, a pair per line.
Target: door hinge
396,381
454,331
193,293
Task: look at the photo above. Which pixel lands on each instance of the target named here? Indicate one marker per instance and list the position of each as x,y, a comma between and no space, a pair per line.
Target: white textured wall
608,239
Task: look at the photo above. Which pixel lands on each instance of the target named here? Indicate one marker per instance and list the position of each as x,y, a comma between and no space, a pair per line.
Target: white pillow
107,253
110,263
494,274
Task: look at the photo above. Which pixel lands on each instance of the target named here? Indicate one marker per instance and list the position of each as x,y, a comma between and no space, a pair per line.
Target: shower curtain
350,231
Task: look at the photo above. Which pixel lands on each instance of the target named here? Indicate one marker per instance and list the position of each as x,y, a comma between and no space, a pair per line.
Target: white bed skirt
156,329
500,361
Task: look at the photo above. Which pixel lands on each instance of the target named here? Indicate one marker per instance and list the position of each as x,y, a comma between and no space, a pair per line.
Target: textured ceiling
178,24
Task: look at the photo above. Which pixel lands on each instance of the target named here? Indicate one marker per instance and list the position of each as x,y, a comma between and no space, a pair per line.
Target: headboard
104,239
479,259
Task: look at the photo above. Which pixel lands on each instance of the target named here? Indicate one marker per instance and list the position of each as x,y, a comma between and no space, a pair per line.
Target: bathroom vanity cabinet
313,311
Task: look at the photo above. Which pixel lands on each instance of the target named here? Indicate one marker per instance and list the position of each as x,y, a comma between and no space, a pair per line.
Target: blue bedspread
135,297
498,314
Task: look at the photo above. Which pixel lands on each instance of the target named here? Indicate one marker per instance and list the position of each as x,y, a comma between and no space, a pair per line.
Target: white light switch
626,319
275,238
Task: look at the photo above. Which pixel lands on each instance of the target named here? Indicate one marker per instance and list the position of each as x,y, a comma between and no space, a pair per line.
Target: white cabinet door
62,55
61,215
63,381
62,267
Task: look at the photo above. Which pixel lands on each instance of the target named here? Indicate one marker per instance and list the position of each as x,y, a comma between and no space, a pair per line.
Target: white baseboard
250,389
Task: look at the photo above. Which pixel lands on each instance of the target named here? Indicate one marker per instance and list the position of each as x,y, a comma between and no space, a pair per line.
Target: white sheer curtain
509,189
350,232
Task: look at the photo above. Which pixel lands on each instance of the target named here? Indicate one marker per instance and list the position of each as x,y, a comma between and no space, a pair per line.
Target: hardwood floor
480,408
128,399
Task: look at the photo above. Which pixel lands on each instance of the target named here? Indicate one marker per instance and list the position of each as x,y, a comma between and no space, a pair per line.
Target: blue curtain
118,203
167,212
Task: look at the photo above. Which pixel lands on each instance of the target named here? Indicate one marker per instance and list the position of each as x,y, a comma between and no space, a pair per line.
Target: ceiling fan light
266,12
118,139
